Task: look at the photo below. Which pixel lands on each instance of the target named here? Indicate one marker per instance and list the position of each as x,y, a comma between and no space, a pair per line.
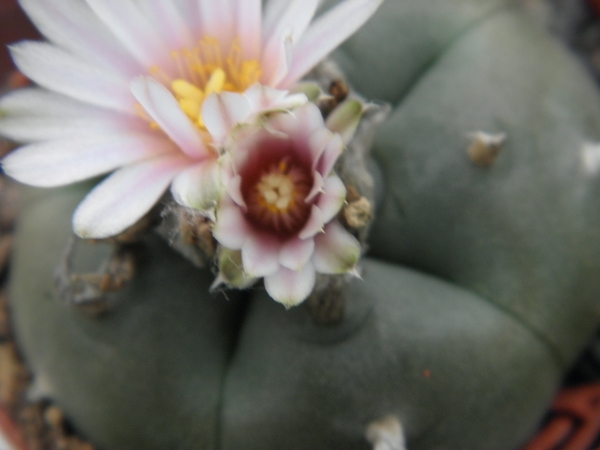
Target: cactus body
465,353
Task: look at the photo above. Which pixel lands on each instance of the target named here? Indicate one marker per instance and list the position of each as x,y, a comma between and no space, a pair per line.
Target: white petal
249,27
189,13
166,18
59,71
231,228
336,250
285,22
160,104
296,252
276,60
33,114
291,287
221,112
198,187
332,199
326,33
77,158
314,225
294,16
134,30
334,149
71,24
274,10
260,255
216,19
65,161
124,197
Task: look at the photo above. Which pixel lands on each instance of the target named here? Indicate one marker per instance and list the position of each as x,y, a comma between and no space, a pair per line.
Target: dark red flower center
275,183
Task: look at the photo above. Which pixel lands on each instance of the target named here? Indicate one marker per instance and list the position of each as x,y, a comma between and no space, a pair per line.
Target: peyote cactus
479,289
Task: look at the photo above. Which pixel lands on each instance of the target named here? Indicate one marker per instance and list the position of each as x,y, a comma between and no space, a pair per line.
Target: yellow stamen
185,89
191,108
203,70
215,83
276,192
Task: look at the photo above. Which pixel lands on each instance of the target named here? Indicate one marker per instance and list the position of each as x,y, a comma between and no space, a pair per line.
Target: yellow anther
190,107
216,82
202,70
276,192
187,90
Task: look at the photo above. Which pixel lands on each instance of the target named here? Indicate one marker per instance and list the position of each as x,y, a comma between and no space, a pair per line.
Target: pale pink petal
249,27
309,119
33,114
296,252
284,123
57,70
166,18
262,97
336,250
124,197
160,104
198,187
300,124
314,224
318,142
71,24
260,255
134,31
326,33
289,102
231,228
332,199
216,19
76,158
332,152
317,187
234,189
265,99
345,119
222,112
291,287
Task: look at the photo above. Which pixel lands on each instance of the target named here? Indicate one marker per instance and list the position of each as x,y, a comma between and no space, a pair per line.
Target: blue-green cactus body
466,356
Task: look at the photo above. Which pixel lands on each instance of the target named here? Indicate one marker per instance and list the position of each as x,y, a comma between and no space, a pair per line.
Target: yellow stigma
276,191
206,69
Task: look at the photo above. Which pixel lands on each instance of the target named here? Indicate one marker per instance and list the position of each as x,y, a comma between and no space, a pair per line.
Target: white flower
281,205
150,89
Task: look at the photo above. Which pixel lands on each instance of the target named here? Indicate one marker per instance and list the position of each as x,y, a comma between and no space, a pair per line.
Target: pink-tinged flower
151,89
281,204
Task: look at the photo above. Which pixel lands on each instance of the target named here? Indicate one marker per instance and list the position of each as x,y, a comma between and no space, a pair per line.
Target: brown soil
31,426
